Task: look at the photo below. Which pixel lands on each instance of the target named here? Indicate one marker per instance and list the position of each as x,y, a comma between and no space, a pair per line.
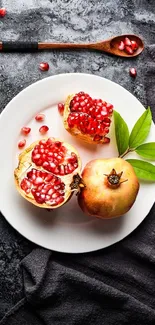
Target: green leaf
141,129
121,133
143,169
146,150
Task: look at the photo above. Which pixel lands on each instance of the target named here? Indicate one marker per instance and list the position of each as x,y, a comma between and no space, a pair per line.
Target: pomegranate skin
99,199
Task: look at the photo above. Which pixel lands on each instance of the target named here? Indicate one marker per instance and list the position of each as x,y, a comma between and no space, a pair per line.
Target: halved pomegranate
48,173
87,118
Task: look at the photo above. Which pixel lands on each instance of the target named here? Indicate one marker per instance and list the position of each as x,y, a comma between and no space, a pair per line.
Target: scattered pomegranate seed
134,45
44,66
61,108
121,46
128,50
2,12
127,41
133,72
21,144
97,138
43,129
40,117
25,130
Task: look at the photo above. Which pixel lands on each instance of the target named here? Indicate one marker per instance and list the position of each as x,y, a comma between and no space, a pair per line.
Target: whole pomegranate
111,187
48,173
86,118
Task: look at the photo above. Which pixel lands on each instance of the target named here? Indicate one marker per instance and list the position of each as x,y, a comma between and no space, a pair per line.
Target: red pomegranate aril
44,66
127,41
43,129
60,199
37,156
21,144
134,45
2,12
25,130
40,117
97,138
38,162
121,46
128,50
61,108
38,181
62,170
133,72
106,140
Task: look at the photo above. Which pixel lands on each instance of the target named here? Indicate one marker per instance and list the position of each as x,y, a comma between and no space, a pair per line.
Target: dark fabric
115,285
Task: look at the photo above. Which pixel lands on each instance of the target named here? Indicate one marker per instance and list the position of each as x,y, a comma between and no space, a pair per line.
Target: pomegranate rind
99,200
25,164
74,131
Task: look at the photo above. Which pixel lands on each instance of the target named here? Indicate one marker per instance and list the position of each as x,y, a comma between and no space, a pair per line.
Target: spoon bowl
115,41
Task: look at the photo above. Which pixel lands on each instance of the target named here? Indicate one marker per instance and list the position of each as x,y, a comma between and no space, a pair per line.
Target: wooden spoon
110,46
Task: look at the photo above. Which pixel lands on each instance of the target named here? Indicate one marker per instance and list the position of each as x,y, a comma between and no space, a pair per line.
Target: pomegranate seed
127,41
25,130
134,45
133,72
128,50
44,66
40,117
121,46
43,129
21,144
97,138
61,108
106,140
2,12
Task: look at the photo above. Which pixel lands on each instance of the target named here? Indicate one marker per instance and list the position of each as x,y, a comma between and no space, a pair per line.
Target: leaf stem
126,152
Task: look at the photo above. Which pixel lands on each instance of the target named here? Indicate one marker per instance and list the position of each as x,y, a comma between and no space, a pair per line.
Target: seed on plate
61,108
40,117
21,144
44,66
25,130
43,129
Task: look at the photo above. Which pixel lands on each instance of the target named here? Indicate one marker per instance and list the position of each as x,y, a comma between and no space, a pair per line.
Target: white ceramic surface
66,229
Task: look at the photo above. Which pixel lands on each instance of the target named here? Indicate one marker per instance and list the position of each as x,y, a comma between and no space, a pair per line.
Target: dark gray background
63,20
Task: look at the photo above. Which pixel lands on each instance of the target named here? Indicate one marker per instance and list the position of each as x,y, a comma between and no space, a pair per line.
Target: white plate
66,229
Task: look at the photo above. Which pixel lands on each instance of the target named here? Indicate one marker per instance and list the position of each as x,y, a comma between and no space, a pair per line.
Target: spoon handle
18,46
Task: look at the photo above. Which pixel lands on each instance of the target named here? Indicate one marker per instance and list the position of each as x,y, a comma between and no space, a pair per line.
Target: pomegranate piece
121,46
61,108
133,72
43,129
40,117
21,144
87,118
127,41
134,45
2,12
44,66
54,175
128,50
25,130
114,177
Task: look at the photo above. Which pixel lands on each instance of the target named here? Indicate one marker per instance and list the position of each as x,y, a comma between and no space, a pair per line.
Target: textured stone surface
63,20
